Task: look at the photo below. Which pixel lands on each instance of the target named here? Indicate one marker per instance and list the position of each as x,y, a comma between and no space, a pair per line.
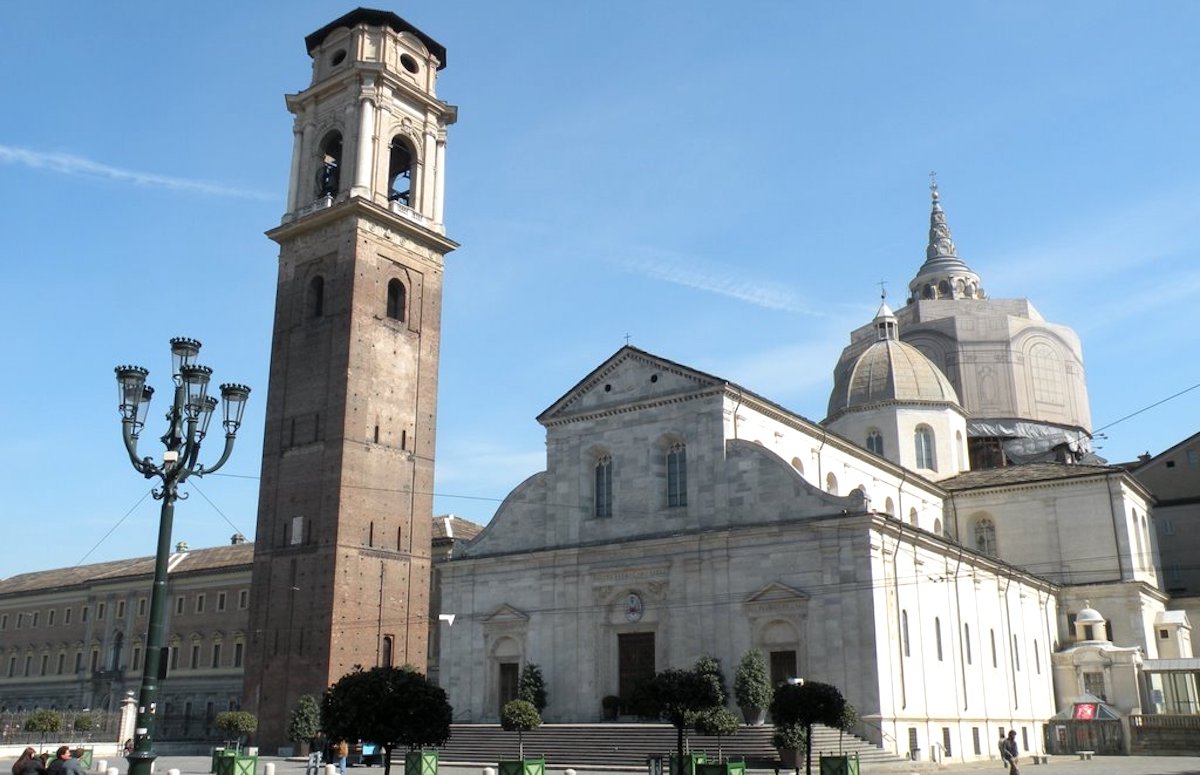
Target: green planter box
84,755
232,764
724,768
420,763
217,753
839,765
689,763
523,767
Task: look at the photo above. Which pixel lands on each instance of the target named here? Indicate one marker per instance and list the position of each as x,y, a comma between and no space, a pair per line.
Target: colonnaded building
944,546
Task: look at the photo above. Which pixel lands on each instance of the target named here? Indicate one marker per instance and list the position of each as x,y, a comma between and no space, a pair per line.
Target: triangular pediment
775,593
631,377
506,614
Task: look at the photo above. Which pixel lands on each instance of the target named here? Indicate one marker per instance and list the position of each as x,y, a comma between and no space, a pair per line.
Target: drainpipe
962,661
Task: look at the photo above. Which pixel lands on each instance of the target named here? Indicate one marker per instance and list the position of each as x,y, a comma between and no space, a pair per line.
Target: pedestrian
1008,751
314,758
28,764
63,764
341,751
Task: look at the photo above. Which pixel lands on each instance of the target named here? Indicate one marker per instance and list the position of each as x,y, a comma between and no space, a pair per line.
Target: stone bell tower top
373,18
370,126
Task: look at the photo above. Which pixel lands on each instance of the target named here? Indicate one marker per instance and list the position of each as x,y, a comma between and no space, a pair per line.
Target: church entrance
783,666
509,678
635,662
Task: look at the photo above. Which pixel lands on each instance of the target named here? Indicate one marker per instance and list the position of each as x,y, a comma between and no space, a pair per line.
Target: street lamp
188,419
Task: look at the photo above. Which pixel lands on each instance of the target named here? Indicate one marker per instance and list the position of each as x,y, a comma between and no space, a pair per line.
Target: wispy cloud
1108,245
718,280
69,164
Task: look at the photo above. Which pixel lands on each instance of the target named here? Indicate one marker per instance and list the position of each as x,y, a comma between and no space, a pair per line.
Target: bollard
102,766
269,768
568,772
489,771
331,769
172,772
112,771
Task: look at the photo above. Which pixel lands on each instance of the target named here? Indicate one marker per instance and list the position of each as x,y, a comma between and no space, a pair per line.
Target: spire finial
933,187
882,290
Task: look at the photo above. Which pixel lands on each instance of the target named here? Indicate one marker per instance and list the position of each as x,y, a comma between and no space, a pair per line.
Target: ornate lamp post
188,419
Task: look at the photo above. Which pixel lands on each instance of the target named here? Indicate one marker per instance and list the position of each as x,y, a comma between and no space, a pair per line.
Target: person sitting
29,763
63,764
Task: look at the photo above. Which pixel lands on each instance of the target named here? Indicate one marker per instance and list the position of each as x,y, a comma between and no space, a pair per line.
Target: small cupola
1090,625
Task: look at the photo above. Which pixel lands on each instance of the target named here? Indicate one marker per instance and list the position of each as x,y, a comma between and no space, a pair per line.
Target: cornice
355,206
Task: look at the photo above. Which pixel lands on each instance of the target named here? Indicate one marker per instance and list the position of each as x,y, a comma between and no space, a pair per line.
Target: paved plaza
1058,765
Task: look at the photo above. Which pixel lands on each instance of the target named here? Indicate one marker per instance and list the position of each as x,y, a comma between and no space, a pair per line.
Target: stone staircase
628,745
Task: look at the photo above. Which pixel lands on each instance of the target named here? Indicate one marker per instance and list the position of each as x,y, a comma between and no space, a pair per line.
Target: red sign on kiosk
1084,711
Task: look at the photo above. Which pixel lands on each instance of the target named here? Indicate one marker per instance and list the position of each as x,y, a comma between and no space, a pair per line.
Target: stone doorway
635,662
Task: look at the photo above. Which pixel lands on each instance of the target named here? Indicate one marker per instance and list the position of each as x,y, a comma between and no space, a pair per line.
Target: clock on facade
633,607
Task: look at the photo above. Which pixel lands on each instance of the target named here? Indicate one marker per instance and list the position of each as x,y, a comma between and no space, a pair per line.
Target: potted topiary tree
84,724
718,723
390,706
790,743
532,687
236,724
806,704
521,716
752,687
304,723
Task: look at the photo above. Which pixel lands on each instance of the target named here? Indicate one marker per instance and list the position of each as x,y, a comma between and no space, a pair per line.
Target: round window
338,57
409,64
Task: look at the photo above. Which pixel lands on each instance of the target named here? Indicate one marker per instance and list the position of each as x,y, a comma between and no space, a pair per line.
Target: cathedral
944,546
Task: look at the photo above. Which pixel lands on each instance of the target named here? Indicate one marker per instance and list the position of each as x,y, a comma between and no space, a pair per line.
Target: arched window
889,507
985,536
799,466
395,299
315,301
385,655
400,164
602,497
967,641
875,441
937,526
904,633
677,475
912,516
923,438
961,450
831,484
1045,370
329,165
937,636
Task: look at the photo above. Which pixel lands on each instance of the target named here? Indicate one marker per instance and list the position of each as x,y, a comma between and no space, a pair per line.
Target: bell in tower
342,552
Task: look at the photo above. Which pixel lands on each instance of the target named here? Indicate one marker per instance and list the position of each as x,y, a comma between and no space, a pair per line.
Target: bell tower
342,552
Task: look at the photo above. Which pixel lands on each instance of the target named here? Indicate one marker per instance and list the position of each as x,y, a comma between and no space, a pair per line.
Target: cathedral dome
889,371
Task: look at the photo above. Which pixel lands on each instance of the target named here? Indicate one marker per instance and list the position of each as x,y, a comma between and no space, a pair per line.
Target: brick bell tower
342,553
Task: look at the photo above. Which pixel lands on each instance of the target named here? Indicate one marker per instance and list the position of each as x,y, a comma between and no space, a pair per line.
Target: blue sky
724,183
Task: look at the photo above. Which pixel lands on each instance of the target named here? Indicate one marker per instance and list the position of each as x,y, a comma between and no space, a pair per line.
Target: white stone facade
919,634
